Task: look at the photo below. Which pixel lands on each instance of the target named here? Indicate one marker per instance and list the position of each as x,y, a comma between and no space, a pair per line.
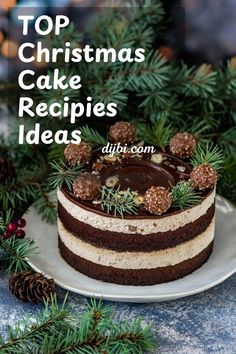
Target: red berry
21,223
20,234
7,234
11,227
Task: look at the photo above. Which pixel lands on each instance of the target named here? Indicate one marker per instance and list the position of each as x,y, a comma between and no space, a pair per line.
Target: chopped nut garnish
138,200
139,156
121,192
112,181
110,159
181,168
167,163
126,155
141,143
98,166
157,158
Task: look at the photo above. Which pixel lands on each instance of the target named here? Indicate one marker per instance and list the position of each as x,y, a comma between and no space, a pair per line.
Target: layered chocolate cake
137,218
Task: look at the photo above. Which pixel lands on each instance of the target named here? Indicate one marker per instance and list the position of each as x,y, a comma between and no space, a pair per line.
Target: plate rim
167,297
136,298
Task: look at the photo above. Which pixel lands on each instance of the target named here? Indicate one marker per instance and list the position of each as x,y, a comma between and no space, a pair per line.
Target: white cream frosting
137,260
137,226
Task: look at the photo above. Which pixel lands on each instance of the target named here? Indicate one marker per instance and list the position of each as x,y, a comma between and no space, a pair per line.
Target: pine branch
203,129
149,75
113,29
117,201
55,152
68,34
107,91
63,174
5,219
150,12
26,334
184,196
209,154
131,338
46,205
194,82
227,182
92,137
16,252
227,140
54,331
50,96
159,134
23,189
14,194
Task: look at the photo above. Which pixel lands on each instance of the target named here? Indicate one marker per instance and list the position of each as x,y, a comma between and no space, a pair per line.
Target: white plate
221,264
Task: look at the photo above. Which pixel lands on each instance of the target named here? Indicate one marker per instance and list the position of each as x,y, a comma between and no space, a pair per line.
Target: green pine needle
14,251
118,202
5,218
57,330
26,335
56,152
208,154
92,137
184,196
159,134
46,205
63,174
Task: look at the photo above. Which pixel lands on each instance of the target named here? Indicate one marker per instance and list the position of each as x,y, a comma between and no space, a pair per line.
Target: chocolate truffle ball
157,200
183,145
78,153
122,132
87,186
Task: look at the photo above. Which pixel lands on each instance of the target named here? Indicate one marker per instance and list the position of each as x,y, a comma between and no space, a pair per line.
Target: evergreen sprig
50,96
14,251
92,136
227,179
208,154
63,174
158,134
14,194
200,99
55,330
118,202
5,219
26,335
184,196
46,205
68,34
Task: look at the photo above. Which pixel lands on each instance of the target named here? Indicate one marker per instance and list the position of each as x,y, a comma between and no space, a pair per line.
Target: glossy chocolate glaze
138,175
141,174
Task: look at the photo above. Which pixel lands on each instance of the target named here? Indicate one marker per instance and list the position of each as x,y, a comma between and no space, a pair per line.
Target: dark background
201,31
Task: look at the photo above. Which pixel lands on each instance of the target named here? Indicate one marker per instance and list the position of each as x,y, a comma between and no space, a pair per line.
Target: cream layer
137,260
139,226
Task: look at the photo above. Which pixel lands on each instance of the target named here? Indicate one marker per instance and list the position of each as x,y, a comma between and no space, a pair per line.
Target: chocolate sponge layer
120,242
132,276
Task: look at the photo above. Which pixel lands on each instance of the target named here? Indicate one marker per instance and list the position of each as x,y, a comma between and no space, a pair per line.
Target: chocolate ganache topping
139,175
137,172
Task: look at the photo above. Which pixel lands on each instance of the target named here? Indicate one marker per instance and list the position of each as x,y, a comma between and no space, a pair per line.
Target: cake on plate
135,217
